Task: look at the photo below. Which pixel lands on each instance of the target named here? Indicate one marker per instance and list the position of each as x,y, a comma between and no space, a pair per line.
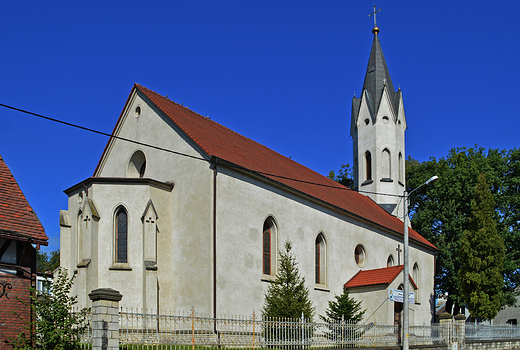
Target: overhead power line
178,153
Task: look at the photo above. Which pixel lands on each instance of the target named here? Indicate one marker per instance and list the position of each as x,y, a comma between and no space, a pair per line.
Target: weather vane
374,13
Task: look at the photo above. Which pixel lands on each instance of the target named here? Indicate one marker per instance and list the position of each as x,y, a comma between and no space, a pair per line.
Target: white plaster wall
243,205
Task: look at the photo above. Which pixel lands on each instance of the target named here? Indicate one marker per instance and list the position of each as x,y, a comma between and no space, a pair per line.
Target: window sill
268,278
321,287
368,182
386,179
400,183
120,267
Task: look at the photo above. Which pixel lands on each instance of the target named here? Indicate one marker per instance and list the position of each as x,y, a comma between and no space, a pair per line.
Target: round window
137,112
367,121
360,255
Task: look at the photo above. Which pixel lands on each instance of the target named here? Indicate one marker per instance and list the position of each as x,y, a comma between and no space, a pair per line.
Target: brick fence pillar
105,318
446,321
460,323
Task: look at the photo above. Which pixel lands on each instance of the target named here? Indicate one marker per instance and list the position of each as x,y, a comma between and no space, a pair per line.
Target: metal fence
482,332
180,331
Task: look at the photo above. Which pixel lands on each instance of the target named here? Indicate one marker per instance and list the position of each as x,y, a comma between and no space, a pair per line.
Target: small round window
385,119
360,255
137,111
367,121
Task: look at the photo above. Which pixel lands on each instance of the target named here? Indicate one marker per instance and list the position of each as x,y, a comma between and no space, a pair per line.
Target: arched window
400,168
320,260
121,228
390,261
269,247
386,164
137,165
416,276
368,165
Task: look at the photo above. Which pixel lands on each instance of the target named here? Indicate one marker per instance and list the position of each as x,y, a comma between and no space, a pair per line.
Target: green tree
287,296
482,256
442,213
47,262
345,176
344,308
56,325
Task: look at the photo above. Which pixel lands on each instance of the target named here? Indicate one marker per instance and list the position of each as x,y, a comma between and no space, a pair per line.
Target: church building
183,212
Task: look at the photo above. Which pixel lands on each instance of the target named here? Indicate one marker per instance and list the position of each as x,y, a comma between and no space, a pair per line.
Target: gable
234,150
17,218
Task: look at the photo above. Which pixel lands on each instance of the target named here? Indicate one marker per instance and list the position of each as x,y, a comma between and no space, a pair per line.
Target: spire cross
374,13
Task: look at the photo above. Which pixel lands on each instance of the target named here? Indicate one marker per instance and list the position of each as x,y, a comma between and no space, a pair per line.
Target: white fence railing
482,332
194,330
187,331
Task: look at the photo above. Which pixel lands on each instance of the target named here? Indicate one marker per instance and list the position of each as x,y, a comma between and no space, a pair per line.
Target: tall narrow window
368,165
386,164
400,167
121,236
390,261
416,280
320,260
269,247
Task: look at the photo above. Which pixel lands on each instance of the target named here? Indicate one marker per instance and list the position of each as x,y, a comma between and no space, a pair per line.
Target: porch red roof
376,277
17,218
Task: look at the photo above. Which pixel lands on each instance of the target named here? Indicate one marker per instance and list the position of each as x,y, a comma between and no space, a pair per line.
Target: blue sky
279,72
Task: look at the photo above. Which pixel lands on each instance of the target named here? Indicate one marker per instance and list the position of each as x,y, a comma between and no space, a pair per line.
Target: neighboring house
201,226
20,231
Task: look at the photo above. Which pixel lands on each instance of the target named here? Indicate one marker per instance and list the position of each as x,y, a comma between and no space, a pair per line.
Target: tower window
368,165
386,166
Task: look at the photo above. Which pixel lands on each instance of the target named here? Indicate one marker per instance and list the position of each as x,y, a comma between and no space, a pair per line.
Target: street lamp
406,282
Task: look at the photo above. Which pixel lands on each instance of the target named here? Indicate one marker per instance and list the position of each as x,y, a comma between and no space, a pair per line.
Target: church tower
377,129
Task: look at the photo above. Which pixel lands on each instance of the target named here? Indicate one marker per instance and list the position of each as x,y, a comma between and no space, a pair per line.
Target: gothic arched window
320,260
390,261
269,247
121,239
386,164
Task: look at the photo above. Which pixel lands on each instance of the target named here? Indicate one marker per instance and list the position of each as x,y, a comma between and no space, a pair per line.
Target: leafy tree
344,308
442,213
56,325
47,262
482,256
345,176
287,296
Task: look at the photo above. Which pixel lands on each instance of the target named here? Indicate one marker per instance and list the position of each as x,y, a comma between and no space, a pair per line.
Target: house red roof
17,218
225,144
376,277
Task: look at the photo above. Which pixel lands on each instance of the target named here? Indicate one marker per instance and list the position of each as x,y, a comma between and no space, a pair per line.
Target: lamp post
406,282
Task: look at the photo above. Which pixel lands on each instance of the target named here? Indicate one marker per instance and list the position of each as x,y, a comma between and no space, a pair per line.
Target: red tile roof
225,144
17,218
376,277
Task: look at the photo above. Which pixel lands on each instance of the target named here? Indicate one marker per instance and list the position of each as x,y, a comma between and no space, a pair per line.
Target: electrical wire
180,153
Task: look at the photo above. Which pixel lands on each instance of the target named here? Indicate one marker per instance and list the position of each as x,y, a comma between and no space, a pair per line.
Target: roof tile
17,216
376,277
